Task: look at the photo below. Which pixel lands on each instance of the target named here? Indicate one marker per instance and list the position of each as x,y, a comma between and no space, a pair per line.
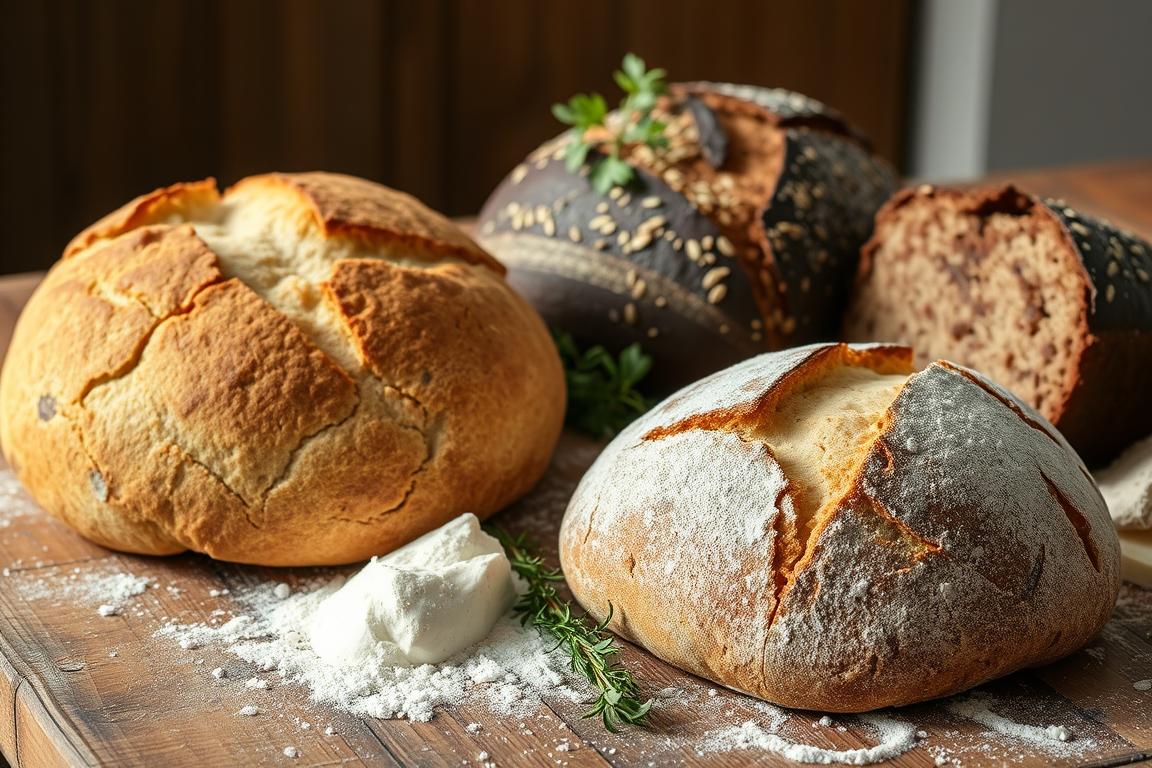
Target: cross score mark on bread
297,371
827,530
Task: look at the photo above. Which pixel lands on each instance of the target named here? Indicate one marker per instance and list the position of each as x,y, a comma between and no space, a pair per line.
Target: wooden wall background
105,100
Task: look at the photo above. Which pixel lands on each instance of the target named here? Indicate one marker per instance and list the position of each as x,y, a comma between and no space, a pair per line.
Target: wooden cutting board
66,699
77,688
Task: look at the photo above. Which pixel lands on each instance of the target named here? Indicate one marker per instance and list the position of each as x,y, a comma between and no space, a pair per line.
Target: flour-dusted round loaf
742,235
824,529
1052,303
306,369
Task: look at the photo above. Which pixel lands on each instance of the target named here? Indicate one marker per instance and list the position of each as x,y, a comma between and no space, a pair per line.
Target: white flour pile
511,670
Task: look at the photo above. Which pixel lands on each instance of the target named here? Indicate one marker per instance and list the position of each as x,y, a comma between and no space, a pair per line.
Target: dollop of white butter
420,604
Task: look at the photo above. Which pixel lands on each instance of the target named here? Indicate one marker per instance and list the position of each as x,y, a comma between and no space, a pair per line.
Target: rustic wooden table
65,699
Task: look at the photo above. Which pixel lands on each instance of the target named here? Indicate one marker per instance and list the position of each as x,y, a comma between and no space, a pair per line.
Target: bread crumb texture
825,529
305,369
1049,302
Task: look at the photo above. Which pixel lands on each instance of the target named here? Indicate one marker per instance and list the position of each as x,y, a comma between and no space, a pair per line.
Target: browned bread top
842,534
340,205
305,369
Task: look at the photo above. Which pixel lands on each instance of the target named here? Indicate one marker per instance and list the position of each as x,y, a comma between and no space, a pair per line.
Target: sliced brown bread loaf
741,235
1049,302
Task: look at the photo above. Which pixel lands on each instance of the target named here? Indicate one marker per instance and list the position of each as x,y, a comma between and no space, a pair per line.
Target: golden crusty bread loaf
824,529
306,369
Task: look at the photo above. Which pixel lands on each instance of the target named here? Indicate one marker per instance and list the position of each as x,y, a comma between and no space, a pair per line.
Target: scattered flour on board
110,591
511,670
895,737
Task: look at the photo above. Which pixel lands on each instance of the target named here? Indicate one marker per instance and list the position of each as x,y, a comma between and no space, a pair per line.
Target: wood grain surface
77,688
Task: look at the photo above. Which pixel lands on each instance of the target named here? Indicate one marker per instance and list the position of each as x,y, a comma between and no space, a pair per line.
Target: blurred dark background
102,101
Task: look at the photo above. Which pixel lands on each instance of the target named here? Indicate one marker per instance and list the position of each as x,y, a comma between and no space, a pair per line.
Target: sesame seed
641,241
574,234
1140,273
757,336
630,313
714,276
653,332
708,258
638,289
756,323
654,222
549,227
624,200
613,316
724,328
529,218
724,245
601,207
650,202
678,243
1109,293
598,222
518,173
615,192
623,238
630,277
661,301
608,228
541,164
717,293
693,249
707,242
1113,268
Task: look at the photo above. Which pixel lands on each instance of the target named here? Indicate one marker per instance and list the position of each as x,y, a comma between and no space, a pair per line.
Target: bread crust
366,376
782,181
1111,334
970,542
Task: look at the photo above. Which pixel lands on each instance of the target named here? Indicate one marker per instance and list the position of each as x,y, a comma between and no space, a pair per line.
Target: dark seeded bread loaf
740,236
1053,304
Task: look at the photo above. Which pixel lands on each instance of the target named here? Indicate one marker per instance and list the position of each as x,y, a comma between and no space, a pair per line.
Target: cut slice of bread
1053,304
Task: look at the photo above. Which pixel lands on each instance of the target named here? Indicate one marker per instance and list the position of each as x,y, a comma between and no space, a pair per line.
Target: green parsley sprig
637,125
602,393
592,651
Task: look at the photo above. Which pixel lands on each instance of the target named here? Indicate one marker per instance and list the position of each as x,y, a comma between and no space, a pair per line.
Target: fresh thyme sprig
602,394
637,126
592,651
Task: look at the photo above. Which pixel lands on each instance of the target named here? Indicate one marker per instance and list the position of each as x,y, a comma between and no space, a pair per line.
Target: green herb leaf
591,653
608,172
602,393
583,111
